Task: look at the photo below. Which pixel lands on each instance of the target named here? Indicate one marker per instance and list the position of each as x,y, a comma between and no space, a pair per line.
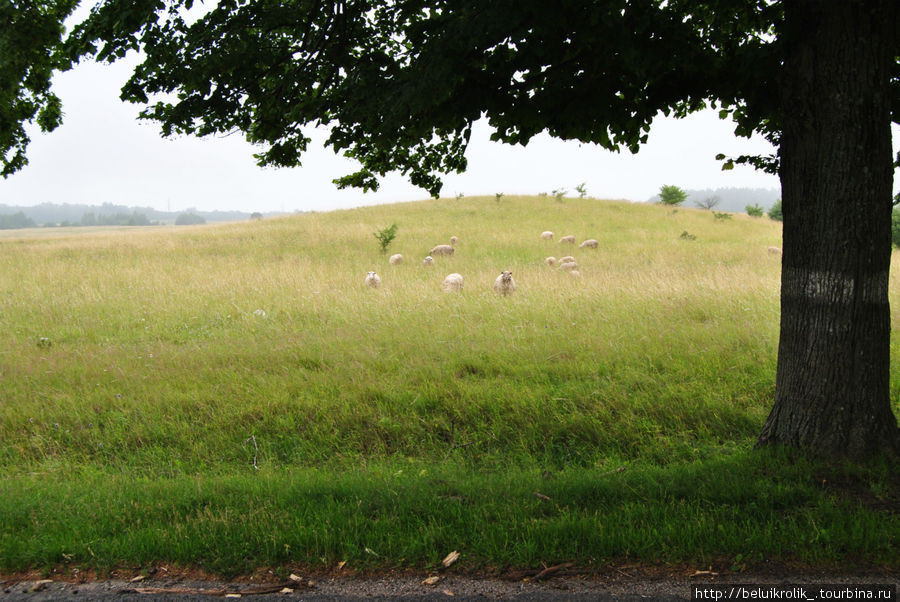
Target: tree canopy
30,37
400,83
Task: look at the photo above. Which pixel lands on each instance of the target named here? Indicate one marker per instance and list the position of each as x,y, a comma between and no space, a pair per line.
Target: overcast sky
102,154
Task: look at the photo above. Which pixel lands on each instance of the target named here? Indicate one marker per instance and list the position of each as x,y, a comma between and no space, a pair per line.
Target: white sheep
504,284
551,261
441,250
396,259
775,250
373,280
574,273
569,239
548,235
589,243
453,241
568,266
565,259
428,261
452,283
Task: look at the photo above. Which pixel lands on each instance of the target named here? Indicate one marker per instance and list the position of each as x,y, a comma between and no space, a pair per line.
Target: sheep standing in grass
453,241
373,280
551,261
569,239
452,283
589,244
504,284
568,266
441,250
548,235
775,250
428,261
396,259
565,259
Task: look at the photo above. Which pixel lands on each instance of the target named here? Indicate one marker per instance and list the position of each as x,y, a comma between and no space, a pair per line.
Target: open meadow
230,397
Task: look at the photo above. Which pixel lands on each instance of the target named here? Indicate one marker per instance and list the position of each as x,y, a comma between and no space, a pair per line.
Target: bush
672,195
775,211
895,226
754,210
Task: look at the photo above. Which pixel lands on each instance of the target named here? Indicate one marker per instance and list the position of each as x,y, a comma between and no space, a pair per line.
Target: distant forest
732,200
50,215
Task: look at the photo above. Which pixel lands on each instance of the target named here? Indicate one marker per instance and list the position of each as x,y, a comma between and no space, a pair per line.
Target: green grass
151,414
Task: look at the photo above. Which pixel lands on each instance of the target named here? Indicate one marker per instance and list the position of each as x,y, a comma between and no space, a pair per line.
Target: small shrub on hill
754,210
672,195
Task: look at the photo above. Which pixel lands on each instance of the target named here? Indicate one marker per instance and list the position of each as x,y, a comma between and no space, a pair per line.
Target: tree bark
832,395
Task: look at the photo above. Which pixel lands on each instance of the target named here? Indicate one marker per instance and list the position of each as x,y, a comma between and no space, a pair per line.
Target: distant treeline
117,219
20,220
107,214
16,220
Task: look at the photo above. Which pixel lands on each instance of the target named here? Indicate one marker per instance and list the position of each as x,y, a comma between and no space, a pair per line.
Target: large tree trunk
832,394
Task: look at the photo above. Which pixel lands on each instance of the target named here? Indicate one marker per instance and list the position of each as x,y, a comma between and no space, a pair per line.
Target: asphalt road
450,588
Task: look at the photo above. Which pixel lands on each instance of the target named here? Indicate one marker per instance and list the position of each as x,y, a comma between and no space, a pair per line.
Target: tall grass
140,364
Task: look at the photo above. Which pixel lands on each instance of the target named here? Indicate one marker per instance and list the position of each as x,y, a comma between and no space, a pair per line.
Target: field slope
232,396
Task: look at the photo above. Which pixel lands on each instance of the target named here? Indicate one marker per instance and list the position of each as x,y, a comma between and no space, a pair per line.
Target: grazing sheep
504,284
568,266
428,261
569,239
373,280
775,250
589,243
396,259
452,283
548,235
551,261
574,273
453,241
566,259
441,250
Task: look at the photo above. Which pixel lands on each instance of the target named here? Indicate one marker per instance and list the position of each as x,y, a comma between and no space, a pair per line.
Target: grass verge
740,509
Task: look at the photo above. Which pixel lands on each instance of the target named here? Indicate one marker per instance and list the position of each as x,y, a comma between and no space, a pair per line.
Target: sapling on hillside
709,203
385,237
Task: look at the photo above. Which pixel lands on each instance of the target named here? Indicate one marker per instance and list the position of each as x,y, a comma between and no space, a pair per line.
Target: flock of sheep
504,283
567,263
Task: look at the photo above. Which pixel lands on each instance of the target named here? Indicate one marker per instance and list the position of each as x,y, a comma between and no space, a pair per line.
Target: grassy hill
233,396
